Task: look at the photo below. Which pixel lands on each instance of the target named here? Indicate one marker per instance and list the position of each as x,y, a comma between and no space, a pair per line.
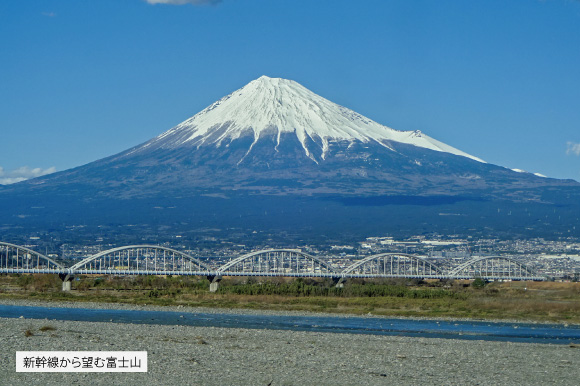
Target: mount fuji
277,107
275,154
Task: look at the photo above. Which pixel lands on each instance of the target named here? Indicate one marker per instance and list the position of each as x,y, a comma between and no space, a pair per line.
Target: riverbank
180,355
542,302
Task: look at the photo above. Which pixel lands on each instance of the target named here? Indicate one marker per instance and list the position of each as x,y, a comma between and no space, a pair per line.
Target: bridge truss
18,259
493,268
394,265
278,262
159,260
141,260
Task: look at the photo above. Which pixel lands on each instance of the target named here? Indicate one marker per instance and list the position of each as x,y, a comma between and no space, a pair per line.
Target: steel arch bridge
141,260
386,265
278,262
18,259
158,260
493,268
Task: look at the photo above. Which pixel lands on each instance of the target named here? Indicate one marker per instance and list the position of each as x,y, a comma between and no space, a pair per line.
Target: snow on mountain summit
284,106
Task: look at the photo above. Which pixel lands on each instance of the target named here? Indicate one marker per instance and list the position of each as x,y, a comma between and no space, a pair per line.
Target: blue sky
81,80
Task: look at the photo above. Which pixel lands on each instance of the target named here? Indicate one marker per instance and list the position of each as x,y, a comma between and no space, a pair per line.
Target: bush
478,283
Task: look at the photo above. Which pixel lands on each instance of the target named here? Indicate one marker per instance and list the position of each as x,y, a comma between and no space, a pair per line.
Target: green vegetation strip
554,302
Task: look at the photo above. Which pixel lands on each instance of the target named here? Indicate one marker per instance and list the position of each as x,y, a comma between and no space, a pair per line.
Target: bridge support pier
339,282
214,282
66,281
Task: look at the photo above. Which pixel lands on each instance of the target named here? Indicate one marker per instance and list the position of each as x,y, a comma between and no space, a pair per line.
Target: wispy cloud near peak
573,148
22,173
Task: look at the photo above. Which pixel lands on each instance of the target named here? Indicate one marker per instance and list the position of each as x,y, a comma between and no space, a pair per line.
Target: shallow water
469,330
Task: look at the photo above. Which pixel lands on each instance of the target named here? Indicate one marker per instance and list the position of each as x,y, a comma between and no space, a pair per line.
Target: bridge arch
494,268
15,257
393,265
144,260
278,262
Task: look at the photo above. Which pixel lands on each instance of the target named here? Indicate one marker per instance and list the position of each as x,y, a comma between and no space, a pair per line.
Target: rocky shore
183,355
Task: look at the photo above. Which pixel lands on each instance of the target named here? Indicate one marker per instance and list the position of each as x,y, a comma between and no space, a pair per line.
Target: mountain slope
273,142
274,106
273,136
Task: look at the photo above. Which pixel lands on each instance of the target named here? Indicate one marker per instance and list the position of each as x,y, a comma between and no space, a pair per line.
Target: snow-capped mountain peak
276,105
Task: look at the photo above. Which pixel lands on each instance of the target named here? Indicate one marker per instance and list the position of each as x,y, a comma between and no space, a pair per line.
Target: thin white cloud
182,2
573,148
49,14
22,173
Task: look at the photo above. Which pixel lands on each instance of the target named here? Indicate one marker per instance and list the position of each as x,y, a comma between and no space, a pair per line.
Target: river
469,330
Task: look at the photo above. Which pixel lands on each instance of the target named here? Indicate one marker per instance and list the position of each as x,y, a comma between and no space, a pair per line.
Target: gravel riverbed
184,355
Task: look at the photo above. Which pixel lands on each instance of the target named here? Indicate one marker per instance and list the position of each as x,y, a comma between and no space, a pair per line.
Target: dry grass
540,301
